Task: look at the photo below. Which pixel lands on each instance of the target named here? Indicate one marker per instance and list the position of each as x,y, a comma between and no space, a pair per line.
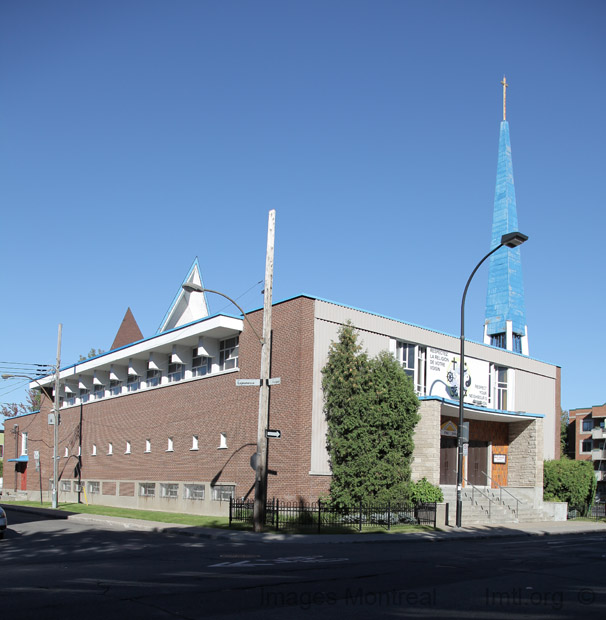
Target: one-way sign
273,434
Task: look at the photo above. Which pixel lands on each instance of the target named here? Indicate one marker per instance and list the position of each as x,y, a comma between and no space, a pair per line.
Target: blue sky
136,135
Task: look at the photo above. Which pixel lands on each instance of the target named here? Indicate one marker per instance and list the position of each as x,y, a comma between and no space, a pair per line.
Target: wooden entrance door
448,460
477,463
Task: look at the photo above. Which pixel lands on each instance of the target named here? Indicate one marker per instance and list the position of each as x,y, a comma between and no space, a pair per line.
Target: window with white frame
66,486
148,445
200,364
223,492
170,447
193,491
222,441
133,383
127,451
500,395
94,450
413,358
115,387
175,372
110,448
147,489
24,444
93,487
153,377
194,442
66,453
228,353
99,392
169,490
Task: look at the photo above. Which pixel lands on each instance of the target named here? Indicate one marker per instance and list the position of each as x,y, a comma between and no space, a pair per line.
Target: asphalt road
60,569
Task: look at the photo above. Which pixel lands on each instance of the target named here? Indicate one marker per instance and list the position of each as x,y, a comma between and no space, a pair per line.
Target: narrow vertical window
170,446
223,441
148,445
194,442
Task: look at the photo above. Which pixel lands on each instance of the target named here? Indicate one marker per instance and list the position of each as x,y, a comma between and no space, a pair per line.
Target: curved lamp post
510,240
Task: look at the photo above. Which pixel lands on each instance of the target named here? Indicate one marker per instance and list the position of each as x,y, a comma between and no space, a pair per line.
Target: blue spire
505,295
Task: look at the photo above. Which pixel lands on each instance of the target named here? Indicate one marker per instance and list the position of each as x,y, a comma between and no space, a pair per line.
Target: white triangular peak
187,307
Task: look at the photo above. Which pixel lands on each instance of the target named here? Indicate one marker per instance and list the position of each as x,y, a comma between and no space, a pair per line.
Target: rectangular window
499,340
414,362
24,444
169,490
133,383
517,343
223,492
501,388
115,387
147,489
127,451
194,442
71,400
228,353
110,448
586,445
93,488
194,491
66,486
84,395
175,372
153,377
148,445
170,446
200,365
222,441
94,451
99,392
587,425
66,453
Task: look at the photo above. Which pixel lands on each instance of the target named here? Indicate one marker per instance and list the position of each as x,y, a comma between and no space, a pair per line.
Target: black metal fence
319,516
597,512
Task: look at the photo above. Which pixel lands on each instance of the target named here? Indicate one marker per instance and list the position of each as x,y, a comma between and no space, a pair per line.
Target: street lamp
55,412
510,240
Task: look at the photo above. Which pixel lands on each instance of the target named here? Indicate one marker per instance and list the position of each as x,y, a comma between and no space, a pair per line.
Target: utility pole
56,418
261,470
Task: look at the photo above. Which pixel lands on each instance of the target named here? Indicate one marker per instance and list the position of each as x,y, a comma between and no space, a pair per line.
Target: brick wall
206,407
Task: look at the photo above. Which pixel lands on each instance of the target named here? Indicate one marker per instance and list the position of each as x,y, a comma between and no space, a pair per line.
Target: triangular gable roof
186,307
129,331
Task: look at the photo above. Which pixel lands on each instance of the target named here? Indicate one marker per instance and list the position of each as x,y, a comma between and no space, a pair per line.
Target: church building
167,422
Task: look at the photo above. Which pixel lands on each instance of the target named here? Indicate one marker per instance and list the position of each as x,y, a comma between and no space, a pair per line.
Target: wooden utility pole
261,470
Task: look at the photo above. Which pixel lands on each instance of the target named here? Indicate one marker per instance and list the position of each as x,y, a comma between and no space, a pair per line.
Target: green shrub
423,491
569,481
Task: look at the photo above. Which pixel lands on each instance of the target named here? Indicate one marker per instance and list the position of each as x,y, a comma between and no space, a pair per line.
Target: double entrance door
477,461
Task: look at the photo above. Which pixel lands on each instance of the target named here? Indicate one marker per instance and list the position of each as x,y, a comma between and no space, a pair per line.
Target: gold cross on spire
505,85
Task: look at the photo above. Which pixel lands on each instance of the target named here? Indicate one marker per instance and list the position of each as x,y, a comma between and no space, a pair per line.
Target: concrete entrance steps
478,510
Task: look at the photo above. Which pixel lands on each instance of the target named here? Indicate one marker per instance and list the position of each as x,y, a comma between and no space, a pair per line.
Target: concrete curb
555,528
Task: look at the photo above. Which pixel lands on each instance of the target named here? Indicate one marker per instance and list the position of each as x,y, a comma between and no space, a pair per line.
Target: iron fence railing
597,511
318,516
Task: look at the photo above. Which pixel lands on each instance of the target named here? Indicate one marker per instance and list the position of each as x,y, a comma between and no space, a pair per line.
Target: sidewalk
546,528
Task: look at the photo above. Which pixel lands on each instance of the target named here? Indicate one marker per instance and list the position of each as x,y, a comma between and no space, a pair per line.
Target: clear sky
136,135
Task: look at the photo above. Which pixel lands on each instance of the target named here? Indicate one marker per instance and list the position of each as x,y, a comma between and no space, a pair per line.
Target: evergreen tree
371,410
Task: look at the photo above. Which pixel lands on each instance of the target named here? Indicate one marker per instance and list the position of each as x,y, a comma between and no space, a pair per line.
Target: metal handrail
501,489
473,489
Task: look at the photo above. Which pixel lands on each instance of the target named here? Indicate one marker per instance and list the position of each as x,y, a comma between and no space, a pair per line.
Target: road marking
296,559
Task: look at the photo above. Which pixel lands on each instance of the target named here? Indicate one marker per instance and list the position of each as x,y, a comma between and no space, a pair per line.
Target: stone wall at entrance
526,454
426,456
